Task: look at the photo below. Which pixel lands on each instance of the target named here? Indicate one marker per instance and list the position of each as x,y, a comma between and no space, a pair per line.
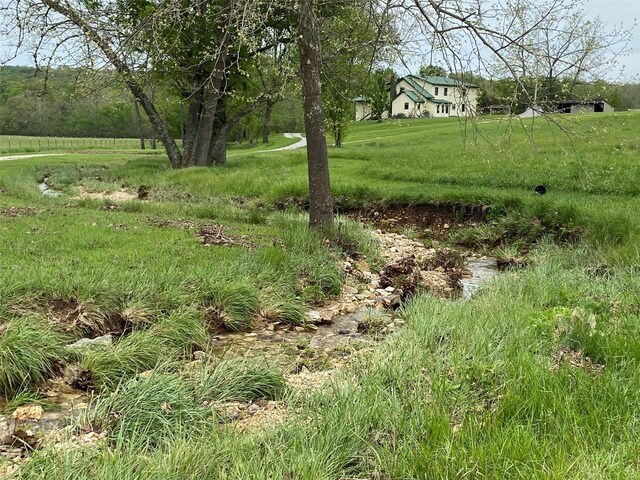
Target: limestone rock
5,431
105,340
27,413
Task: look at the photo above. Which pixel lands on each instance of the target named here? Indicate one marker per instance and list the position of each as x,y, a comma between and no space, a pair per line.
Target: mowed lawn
537,376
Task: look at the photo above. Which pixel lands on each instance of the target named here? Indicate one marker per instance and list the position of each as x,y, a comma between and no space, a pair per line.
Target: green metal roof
441,102
413,96
417,87
446,81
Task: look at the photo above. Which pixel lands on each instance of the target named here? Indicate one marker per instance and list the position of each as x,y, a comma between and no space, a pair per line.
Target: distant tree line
71,102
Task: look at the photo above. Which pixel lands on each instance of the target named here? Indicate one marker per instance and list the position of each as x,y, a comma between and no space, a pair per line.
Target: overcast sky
616,12
613,13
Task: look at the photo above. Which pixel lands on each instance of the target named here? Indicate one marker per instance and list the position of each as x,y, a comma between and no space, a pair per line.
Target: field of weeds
186,324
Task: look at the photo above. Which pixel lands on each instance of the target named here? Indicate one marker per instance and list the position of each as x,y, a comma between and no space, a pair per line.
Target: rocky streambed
364,313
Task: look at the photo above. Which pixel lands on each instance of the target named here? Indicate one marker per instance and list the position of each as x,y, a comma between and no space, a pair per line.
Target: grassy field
537,376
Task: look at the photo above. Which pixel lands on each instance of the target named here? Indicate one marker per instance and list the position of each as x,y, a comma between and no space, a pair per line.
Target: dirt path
299,144
20,157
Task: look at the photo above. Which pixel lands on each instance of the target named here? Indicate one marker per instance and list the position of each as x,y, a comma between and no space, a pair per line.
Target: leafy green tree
432,70
377,93
353,40
205,48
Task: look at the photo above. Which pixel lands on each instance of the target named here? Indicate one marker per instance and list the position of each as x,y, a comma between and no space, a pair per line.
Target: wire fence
10,143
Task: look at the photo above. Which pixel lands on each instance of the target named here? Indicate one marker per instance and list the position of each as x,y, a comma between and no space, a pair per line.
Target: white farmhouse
430,96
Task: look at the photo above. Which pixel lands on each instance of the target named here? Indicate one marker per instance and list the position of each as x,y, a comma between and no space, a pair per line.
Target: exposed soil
437,217
74,317
19,211
116,196
431,218
143,192
216,321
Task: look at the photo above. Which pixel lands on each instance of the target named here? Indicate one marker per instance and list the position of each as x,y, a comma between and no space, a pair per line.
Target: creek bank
365,313
435,219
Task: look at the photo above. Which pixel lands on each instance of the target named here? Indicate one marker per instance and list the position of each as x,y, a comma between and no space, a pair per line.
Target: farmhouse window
446,90
436,90
438,109
462,107
406,105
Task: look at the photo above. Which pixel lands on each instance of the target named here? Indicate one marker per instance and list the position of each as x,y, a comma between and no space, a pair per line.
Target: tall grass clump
232,304
284,308
30,349
311,254
150,410
175,337
168,404
354,240
238,381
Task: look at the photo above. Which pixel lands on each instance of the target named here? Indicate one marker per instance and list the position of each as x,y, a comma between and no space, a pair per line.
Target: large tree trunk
139,122
159,126
320,198
266,125
193,118
213,92
204,133
218,148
